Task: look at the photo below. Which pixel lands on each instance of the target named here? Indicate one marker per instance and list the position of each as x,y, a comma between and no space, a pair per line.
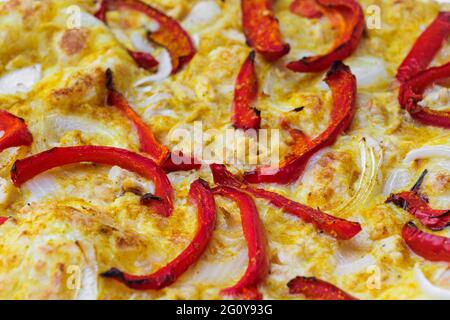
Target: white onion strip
428,288
441,151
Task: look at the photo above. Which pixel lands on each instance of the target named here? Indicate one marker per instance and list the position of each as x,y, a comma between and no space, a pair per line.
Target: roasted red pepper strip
351,27
245,116
3,220
169,35
15,131
26,169
411,93
417,204
315,289
306,8
428,246
338,228
181,163
258,265
201,195
143,59
261,29
148,142
426,47
343,86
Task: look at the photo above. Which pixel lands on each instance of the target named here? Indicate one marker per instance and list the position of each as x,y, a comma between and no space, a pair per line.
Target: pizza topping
306,8
426,245
148,142
261,29
417,204
3,220
74,41
338,228
246,92
425,47
143,59
315,289
343,86
411,93
14,131
201,195
348,18
258,265
20,80
169,34
26,169
177,161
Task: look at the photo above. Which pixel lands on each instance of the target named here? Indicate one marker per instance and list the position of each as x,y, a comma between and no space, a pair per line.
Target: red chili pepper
26,169
144,60
411,93
348,17
306,8
3,220
426,47
15,131
338,228
343,86
417,204
428,246
169,35
315,289
182,163
148,142
261,29
245,116
258,265
202,196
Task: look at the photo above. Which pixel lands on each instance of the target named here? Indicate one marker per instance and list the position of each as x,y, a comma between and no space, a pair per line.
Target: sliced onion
40,187
370,164
398,180
441,151
430,289
88,286
369,71
141,43
234,35
164,70
202,13
350,266
20,81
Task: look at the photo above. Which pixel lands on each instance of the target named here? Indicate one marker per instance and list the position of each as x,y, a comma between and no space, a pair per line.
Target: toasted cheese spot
74,41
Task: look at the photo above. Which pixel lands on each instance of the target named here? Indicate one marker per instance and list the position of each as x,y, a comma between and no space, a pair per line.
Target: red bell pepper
182,163
258,265
315,289
148,142
411,93
3,220
306,8
143,59
26,169
15,131
169,35
425,48
417,204
348,17
245,116
343,86
428,246
202,196
338,228
261,29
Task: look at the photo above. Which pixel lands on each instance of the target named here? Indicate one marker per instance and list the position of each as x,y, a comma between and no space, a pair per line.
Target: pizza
238,149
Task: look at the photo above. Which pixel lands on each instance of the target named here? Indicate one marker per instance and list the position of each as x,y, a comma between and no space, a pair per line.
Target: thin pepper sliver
169,35
3,220
261,29
338,228
245,116
148,142
428,246
348,17
411,93
201,195
258,261
15,131
315,289
425,48
343,86
26,169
